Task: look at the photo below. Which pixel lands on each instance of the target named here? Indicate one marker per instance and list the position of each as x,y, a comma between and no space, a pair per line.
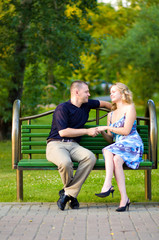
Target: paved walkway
28,221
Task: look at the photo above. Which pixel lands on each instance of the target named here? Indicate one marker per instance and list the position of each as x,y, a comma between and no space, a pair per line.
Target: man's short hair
77,84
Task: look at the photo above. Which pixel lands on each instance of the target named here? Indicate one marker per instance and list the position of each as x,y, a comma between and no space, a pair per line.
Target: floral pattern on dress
129,148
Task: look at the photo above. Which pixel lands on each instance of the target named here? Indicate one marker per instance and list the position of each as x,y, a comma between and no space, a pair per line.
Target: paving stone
40,221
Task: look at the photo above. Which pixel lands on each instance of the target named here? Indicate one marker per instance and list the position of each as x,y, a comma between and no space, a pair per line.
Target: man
63,142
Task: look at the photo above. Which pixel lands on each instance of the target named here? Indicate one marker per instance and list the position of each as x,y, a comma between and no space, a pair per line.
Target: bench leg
19,184
148,184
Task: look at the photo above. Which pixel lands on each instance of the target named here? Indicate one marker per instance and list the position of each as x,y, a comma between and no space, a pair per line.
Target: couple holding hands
63,146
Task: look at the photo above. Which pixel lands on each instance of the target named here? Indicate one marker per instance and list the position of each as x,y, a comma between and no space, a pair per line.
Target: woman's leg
120,178
109,167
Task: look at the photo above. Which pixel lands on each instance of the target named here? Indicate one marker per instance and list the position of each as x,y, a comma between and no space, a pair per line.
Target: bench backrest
33,140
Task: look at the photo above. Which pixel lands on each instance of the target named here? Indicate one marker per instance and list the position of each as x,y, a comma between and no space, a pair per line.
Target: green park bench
29,144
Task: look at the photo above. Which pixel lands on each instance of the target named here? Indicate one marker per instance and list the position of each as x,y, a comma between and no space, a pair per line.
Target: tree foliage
103,23
46,44
34,32
134,58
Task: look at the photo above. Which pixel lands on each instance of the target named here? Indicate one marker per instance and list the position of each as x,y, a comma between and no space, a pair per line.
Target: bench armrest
151,113
15,134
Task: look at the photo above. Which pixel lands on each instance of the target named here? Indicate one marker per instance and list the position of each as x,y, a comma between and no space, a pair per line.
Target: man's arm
71,132
105,104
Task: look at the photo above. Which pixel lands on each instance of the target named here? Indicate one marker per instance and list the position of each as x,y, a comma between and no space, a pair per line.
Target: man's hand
93,132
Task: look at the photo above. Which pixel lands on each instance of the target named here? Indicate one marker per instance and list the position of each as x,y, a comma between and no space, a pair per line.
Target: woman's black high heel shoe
105,194
123,209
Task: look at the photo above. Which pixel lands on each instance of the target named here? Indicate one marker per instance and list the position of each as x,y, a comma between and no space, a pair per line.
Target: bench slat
33,143
96,150
36,126
25,130
25,139
35,135
43,151
43,143
34,151
44,163
25,147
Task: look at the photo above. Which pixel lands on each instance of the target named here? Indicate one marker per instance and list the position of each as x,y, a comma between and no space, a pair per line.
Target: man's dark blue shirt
67,115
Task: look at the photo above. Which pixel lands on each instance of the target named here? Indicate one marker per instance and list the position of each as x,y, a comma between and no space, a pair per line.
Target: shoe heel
112,191
124,208
105,194
128,206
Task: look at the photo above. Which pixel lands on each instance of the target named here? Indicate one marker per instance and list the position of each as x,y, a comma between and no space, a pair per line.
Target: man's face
83,94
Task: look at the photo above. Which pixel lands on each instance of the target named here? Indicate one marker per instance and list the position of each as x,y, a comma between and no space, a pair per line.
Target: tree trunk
5,130
18,68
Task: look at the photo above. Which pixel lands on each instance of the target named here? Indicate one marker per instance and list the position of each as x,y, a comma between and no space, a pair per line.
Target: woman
128,146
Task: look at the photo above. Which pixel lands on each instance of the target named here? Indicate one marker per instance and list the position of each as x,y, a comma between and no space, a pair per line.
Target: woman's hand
102,128
107,136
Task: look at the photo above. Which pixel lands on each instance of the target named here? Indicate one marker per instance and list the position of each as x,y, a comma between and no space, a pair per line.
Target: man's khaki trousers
63,154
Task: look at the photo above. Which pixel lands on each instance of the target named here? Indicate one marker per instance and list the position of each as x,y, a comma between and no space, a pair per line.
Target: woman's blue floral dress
130,147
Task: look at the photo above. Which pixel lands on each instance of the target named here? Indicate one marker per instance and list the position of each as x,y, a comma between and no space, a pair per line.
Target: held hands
93,132
102,128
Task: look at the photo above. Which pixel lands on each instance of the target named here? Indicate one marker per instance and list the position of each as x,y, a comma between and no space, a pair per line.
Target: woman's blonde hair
125,92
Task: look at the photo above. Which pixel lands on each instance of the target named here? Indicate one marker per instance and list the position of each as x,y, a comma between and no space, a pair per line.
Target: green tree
146,3
134,58
31,32
103,23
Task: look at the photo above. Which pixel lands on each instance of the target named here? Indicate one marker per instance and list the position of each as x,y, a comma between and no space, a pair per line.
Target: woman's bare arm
129,121
107,136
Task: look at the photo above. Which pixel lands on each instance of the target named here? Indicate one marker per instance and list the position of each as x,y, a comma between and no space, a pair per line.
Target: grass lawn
43,186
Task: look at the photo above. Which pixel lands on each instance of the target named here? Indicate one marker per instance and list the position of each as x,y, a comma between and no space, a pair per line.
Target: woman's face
115,94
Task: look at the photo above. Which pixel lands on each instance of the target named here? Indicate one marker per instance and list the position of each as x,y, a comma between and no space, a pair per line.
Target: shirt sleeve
61,118
93,103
